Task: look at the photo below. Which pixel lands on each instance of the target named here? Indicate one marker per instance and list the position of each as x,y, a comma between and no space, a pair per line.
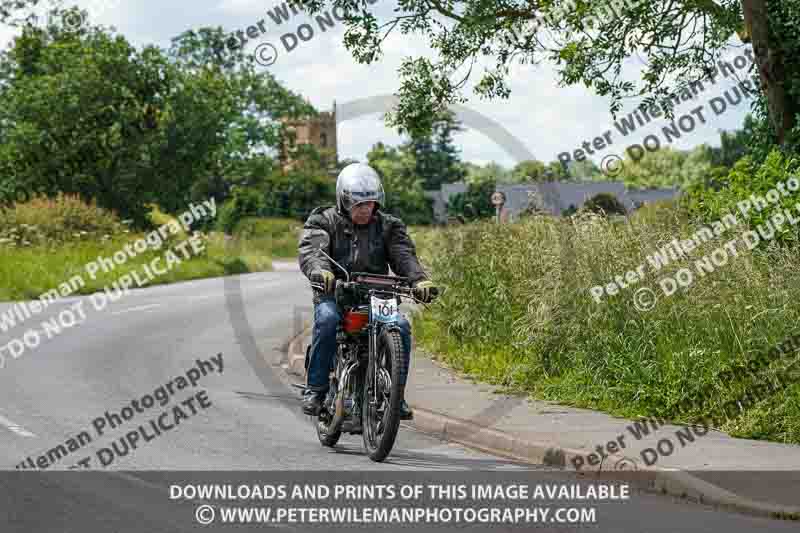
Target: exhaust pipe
338,402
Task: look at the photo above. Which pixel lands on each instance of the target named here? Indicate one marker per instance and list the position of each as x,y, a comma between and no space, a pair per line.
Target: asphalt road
51,395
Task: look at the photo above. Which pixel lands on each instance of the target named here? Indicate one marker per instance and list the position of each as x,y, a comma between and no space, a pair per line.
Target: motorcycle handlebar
352,286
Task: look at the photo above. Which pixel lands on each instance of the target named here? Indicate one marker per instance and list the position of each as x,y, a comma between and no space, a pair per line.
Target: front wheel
382,395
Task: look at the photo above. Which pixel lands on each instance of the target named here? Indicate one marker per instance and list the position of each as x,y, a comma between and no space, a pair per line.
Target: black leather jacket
388,245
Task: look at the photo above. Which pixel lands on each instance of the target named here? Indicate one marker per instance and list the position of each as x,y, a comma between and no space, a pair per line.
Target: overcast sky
546,118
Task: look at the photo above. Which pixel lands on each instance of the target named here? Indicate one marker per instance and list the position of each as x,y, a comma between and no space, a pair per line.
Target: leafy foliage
588,42
533,170
744,180
437,159
297,192
665,168
55,221
405,195
604,203
243,203
84,112
735,144
475,203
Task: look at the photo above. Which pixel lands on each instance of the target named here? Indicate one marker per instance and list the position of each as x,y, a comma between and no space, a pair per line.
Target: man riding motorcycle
361,238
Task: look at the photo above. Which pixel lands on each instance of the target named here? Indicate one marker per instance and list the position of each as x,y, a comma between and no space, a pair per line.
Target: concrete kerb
296,352
654,479
650,479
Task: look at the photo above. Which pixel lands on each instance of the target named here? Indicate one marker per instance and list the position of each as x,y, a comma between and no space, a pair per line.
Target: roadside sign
498,198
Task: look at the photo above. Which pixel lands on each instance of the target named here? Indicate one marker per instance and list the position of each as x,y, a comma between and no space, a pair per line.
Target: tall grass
277,237
517,311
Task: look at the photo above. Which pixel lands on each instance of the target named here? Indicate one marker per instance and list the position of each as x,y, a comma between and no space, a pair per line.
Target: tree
296,192
531,170
557,171
85,112
733,145
248,124
437,158
666,168
405,195
475,203
772,29
491,172
590,42
583,170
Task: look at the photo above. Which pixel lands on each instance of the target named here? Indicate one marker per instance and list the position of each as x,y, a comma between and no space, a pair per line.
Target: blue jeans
323,344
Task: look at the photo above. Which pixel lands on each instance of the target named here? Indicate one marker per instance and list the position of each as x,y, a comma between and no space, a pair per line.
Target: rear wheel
381,402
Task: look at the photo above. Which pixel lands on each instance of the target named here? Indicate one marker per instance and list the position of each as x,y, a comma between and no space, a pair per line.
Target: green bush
604,203
244,202
712,199
295,193
475,203
278,237
51,221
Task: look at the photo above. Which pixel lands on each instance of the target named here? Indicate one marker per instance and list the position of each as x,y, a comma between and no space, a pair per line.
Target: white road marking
15,428
264,286
139,308
194,298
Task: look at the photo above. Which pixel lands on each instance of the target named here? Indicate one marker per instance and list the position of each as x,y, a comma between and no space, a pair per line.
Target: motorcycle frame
373,329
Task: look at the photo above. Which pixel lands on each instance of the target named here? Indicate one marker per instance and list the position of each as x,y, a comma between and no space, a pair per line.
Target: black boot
405,411
312,402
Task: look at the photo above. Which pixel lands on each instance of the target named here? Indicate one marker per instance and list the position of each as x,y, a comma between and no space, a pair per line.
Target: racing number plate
385,310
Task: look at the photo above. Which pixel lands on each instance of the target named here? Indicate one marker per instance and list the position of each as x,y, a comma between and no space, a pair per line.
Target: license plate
385,310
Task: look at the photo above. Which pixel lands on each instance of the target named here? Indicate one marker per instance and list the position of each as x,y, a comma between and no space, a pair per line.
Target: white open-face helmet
358,183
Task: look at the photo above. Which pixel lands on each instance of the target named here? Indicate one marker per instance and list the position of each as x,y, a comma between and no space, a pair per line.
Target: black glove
425,291
324,279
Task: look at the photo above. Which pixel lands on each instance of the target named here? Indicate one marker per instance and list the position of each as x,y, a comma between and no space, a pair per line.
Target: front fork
373,361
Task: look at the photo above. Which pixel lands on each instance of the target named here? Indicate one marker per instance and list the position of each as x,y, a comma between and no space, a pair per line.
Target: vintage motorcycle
364,383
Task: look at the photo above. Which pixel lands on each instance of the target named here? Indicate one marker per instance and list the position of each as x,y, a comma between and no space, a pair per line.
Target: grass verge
517,312
27,272
278,237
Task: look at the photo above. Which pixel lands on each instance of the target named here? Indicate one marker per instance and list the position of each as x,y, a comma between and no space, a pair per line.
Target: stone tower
319,131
